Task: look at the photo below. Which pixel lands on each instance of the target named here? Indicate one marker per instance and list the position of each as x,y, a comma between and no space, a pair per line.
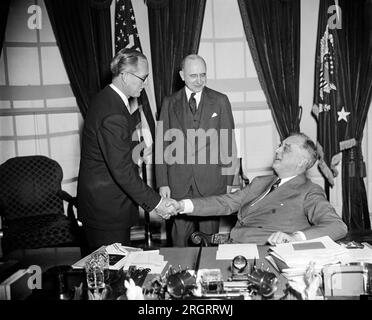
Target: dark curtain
175,29
355,40
342,95
4,11
83,33
272,29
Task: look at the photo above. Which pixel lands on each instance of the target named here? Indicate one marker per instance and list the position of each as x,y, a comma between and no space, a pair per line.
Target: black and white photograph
191,157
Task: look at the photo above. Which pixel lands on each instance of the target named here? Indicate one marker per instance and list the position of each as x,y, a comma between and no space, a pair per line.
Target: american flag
328,99
327,64
126,33
126,36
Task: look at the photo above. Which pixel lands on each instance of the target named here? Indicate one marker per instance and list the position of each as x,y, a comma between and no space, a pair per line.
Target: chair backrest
29,186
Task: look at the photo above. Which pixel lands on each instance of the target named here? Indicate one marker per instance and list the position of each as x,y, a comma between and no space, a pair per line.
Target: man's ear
124,76
303,164
182,75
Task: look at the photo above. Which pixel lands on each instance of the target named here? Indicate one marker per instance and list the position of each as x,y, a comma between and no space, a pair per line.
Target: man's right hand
167,208
165,192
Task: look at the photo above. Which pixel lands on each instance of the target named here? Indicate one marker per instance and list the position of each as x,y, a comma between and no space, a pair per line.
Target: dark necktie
192,103
275,185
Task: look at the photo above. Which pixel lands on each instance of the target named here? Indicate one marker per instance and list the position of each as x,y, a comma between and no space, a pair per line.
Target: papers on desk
118,255
361,255
230,251
293,258
146,259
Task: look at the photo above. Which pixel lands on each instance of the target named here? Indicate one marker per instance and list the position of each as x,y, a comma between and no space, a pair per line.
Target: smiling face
194,73
290,157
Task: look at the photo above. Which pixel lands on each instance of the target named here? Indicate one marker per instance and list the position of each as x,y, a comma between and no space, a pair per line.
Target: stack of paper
146,259
230,251
118,254
361,255
293,258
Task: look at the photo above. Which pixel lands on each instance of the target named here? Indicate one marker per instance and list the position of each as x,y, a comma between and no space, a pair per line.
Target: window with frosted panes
230,70
38,111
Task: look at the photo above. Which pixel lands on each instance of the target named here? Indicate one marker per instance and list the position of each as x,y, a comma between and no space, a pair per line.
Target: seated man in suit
277,208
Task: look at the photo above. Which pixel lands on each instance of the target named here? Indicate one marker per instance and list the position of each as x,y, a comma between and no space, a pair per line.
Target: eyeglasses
142,79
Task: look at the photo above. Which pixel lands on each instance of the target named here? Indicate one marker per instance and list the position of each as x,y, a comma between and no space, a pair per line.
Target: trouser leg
96,237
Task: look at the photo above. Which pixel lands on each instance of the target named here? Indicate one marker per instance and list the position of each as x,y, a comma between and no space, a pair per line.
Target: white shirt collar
122,96
197,95
284,180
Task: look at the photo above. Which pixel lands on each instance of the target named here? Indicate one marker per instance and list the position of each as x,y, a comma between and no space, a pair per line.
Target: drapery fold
355,41
4,11
342,96
84,40
175,29
272,29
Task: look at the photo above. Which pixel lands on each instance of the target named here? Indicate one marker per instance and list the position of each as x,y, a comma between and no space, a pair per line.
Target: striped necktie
192,103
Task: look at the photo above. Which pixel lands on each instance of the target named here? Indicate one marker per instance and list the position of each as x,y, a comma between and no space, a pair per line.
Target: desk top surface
184,257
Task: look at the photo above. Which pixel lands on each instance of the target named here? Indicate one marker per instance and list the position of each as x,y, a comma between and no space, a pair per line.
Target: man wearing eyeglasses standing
109,186
204,118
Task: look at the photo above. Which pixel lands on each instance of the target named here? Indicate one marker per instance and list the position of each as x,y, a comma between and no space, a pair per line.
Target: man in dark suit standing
277,208
201,120
109,186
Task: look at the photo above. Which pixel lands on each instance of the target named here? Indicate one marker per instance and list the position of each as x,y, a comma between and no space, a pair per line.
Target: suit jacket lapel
179,108
206,103
265,186
287,187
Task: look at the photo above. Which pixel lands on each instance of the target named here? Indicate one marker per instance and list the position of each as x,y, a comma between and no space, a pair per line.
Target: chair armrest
65,196
72,202
2,227
209,239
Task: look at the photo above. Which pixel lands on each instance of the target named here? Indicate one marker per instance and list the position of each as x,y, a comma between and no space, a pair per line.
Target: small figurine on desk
133,292
312,281
305,289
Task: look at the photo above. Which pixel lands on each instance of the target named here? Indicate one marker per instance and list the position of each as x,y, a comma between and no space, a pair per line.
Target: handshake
169,207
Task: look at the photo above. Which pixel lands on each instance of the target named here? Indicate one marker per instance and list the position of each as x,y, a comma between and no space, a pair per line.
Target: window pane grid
38,111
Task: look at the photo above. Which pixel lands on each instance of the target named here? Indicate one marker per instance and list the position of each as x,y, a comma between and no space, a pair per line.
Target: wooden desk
186,257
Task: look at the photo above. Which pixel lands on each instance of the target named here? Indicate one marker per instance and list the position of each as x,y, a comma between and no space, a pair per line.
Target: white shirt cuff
300,235
158,204
188,206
